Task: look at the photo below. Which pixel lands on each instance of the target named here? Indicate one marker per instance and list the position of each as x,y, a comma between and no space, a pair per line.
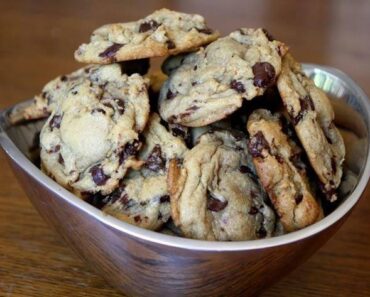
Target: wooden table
37,40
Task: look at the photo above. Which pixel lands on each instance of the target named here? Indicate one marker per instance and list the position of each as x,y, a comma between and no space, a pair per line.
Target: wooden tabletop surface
37,40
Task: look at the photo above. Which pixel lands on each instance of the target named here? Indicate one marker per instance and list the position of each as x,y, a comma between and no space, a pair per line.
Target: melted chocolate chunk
170,44
155,162
111,51
264,74
237,86
213,204
306,104
205,30
96,110
95,199
170,95
253,210
63,78
55,149
137,219
130,149
246,170
256,144
268,35
164,199
55,122
119,193
98,175
149,25
298,198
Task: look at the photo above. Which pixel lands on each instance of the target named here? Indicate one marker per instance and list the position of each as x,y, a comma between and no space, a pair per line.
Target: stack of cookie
232,142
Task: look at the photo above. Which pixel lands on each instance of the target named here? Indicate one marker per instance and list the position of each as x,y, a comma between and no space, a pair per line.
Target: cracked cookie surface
206,86
312,115
162,33
142,198
91,139
214,194
282,173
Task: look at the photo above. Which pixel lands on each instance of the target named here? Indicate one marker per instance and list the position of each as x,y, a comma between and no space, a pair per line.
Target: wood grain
37,43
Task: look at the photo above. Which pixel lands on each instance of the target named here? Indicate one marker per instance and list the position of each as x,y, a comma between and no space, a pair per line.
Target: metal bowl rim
201,245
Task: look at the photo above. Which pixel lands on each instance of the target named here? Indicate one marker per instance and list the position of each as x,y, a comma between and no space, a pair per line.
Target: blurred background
37,41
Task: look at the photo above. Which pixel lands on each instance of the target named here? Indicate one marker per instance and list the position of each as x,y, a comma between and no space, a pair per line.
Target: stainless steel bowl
144,263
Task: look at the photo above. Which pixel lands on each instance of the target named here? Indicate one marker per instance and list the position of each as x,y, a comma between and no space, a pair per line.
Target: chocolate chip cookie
162,33
91,139
214,192
206,86
313,118
54,91
281,171
142,199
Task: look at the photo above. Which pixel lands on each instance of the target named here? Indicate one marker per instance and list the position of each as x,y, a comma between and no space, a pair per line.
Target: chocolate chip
164,199
149,25
143,203
55,149
214,204
256,144
130,149
117,194
120,105
237,86
98,175
170,44
298,198
253,210
195,67
107,104
63,78
170,95
55,122
268,35
74,92
95,110
60,160
155,162
306,104
264,74
261,232
246,170
137,219
205,30
111,51
95,199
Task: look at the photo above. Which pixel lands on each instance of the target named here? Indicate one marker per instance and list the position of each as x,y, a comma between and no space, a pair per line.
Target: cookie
142,199
214,192
91,139
208,85
282,173
312,115
46,102
54,91
162,33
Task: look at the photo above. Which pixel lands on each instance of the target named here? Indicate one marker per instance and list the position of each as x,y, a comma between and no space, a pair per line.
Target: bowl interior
352,117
